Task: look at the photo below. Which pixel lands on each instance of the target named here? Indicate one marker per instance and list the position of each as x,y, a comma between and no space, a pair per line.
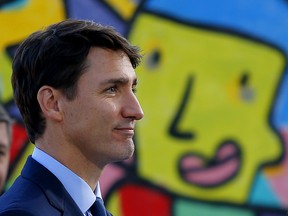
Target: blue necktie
98,209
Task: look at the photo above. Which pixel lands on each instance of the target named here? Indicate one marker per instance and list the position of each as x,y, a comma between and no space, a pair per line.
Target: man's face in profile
4,153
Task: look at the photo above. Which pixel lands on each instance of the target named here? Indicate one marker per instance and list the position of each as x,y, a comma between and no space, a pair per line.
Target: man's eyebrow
121,80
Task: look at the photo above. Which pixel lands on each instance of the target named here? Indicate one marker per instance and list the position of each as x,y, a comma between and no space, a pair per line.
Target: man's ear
48,100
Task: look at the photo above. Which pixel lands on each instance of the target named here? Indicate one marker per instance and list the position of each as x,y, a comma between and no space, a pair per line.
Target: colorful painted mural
214,89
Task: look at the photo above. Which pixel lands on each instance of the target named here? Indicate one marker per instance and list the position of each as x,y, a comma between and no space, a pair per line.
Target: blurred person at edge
74,83
5,142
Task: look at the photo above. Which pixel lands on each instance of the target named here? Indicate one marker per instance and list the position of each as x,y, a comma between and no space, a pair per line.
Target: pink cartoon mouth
196,170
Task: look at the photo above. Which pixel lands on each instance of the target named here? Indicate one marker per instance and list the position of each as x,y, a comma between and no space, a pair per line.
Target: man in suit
74,83
5,142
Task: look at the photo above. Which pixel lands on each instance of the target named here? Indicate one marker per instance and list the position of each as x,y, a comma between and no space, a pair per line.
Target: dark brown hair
56,57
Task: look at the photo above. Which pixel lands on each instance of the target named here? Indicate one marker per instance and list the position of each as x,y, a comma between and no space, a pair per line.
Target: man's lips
125,131
199,171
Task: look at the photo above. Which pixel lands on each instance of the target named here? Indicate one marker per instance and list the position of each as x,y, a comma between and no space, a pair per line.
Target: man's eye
112,89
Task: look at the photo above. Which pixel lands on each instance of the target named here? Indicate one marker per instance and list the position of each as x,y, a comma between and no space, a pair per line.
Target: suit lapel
53,189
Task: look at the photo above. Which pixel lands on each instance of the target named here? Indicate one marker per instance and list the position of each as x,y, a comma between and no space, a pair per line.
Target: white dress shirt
78,189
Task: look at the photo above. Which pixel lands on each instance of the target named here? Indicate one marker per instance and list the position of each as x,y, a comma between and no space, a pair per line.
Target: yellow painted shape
216,110
16,172
5,77
114,204
125,8
17,24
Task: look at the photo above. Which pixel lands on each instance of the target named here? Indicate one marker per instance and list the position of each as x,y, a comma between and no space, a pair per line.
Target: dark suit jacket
37,192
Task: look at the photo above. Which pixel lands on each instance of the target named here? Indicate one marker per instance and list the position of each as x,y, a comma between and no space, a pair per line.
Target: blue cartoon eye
247,93
153,59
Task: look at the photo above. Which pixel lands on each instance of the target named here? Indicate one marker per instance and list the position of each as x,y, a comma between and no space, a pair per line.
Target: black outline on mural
174,130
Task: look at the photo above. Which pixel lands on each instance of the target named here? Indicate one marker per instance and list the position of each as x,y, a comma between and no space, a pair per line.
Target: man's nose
132,108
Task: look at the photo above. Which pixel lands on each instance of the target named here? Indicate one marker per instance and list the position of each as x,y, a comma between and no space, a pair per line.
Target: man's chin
128,155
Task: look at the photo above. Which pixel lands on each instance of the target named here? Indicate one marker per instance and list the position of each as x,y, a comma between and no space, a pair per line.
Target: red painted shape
19,140
143,201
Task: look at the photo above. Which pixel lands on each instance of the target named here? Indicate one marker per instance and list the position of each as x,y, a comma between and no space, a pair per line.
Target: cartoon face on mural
207,94
207,109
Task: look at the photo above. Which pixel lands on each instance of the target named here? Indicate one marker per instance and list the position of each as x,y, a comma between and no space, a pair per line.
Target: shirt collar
78,189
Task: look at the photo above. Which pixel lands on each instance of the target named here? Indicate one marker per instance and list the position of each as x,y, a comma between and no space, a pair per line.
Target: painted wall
213,86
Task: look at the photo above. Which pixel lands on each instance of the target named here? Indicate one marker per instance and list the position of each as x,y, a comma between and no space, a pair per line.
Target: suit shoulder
16,212
21,198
